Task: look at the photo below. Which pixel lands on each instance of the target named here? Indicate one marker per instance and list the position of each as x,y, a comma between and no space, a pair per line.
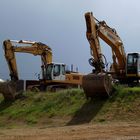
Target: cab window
56,71
132,59
63,69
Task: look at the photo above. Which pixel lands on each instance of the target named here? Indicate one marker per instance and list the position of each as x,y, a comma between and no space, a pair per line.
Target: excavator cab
55,71
133,66
57,77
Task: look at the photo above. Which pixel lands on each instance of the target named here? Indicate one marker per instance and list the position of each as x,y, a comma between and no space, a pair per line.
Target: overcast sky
61,25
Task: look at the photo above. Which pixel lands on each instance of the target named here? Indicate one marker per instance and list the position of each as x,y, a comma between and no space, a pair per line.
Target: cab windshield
132,59
56,71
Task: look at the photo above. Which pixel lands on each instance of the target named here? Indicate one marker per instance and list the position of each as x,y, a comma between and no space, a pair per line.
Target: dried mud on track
110,131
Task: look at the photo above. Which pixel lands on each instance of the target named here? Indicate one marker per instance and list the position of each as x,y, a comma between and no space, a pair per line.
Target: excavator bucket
11,89
97,85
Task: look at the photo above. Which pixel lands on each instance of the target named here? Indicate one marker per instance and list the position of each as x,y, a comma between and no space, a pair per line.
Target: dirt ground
108,131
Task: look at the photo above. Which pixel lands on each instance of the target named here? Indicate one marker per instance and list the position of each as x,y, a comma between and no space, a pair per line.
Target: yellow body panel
74,79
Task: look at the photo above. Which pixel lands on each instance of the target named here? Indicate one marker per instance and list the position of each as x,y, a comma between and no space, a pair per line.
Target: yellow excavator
35,48
54,75
125,68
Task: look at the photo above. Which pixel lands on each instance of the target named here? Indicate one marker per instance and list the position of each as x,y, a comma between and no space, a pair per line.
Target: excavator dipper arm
11,61
97,60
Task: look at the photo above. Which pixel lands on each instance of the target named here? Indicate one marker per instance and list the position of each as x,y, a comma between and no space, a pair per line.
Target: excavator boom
111,37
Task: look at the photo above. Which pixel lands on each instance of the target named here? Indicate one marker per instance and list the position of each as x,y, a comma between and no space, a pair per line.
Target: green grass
42,108
123,105
35,106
